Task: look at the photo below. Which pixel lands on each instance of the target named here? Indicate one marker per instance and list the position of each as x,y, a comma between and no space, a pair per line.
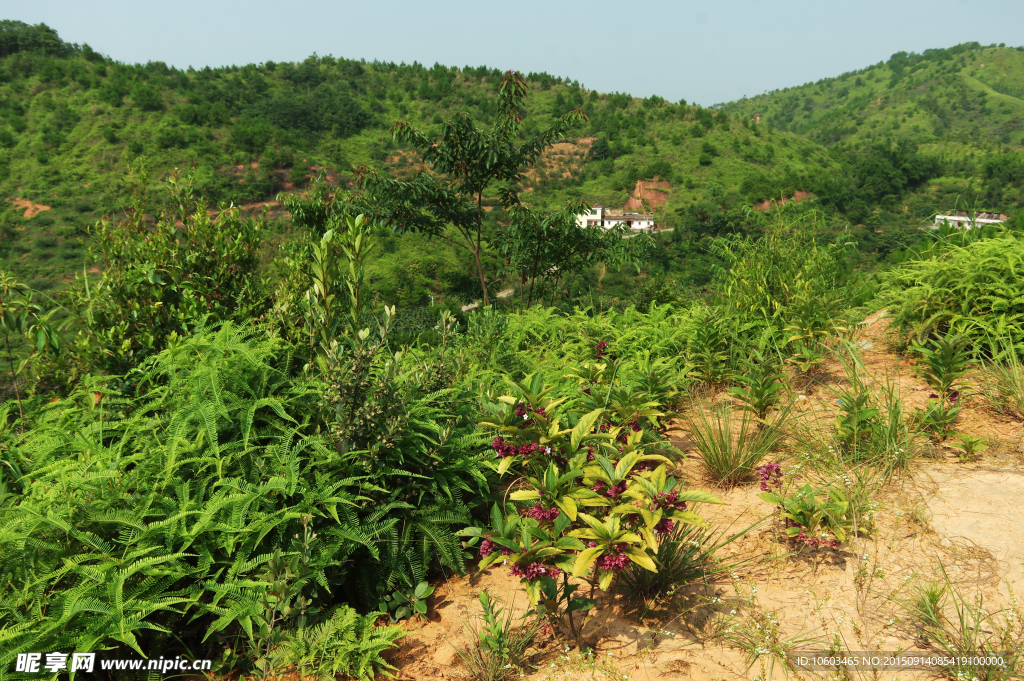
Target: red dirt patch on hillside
652,192
648,195
31,209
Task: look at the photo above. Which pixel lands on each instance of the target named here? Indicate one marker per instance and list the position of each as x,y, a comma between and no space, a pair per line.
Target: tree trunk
476,251
480,273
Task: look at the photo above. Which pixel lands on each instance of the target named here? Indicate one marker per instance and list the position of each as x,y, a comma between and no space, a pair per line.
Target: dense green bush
160,283
176,499
973,290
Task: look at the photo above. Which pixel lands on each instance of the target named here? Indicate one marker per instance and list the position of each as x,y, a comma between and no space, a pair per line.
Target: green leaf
641,558
568,507
580,604
585,559
584,426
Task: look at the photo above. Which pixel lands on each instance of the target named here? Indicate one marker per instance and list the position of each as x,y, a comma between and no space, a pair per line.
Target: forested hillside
963,107
968,93
882,149
72,118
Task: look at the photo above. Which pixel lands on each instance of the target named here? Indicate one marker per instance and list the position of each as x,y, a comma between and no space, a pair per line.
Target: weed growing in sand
970,446
685,556
871,428
499,650
806,358
825,511
937,419
944,363
1003,383
985,645
813,517
731,446
760,388
760,638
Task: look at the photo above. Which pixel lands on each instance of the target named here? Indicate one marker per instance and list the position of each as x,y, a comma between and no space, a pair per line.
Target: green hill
885,147
962,106
968,94
71,118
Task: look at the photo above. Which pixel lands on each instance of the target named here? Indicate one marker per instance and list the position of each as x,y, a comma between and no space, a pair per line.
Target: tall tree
447,200
542,248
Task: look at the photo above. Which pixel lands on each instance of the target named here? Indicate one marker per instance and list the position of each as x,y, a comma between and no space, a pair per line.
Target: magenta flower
771,476
502,448
538,512
613,561
535,570
664,526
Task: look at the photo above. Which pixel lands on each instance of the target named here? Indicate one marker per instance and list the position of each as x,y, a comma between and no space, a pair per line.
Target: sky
704,52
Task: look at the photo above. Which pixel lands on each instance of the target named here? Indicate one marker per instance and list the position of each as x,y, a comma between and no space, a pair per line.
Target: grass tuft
731,445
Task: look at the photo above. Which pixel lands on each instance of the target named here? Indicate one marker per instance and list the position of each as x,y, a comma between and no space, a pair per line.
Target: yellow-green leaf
568,507
505,464
652,539
584,426
585,560
641,558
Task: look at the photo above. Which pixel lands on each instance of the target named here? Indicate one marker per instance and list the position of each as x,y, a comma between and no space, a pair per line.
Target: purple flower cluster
599,349
504,449
664,526
535,570
771,476
538,512
610,492
815,542
668,501
613,561
487,547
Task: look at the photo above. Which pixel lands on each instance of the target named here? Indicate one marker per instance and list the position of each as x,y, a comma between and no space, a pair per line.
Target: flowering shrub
588,502
813,518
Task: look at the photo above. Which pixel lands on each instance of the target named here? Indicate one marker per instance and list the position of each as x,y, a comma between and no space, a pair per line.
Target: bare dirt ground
940,515
31,209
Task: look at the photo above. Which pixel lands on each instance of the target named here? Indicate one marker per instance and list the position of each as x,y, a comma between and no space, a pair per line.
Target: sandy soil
31,209
939,515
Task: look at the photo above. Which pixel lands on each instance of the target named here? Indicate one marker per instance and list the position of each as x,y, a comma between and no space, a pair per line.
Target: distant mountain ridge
968,93
70,119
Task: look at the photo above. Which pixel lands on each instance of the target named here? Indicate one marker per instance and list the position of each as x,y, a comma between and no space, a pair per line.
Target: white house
606,218
961,218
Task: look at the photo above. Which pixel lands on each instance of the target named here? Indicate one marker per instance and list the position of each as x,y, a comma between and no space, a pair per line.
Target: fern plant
147,514
761,388
345,643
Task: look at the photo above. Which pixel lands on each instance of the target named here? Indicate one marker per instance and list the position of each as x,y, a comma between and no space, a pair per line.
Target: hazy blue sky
707,52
